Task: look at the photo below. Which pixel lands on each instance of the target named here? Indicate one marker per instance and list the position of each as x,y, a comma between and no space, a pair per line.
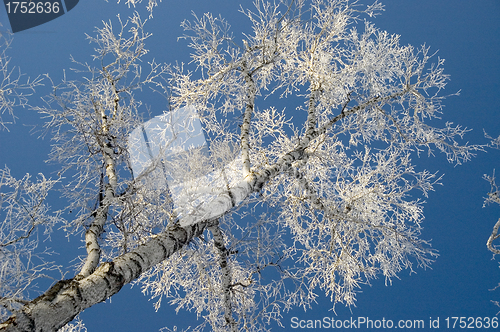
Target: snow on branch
25,217
493,197
14,88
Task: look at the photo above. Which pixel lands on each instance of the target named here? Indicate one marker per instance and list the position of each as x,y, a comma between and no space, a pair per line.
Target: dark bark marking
233,199
139,266
162,248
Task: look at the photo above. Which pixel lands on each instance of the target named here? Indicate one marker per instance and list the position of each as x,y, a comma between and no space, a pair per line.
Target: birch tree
324,196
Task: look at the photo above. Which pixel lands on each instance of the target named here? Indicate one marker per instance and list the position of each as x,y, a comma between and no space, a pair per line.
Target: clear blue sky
467,35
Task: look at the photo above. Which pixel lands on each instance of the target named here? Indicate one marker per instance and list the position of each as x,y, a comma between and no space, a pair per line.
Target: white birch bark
226,276
101,214
63,301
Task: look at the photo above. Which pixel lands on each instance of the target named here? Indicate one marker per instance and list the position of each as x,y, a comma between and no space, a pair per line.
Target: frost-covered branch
151,4
14,88
219,243
493,197
25,217
91,131
247,116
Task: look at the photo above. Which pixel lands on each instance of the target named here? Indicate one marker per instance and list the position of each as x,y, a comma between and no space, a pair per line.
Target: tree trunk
63,301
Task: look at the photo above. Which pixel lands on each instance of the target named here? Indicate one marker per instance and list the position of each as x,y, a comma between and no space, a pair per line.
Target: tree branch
245,127
226,275
63,301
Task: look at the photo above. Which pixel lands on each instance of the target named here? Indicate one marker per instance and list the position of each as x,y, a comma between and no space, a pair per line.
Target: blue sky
466,33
